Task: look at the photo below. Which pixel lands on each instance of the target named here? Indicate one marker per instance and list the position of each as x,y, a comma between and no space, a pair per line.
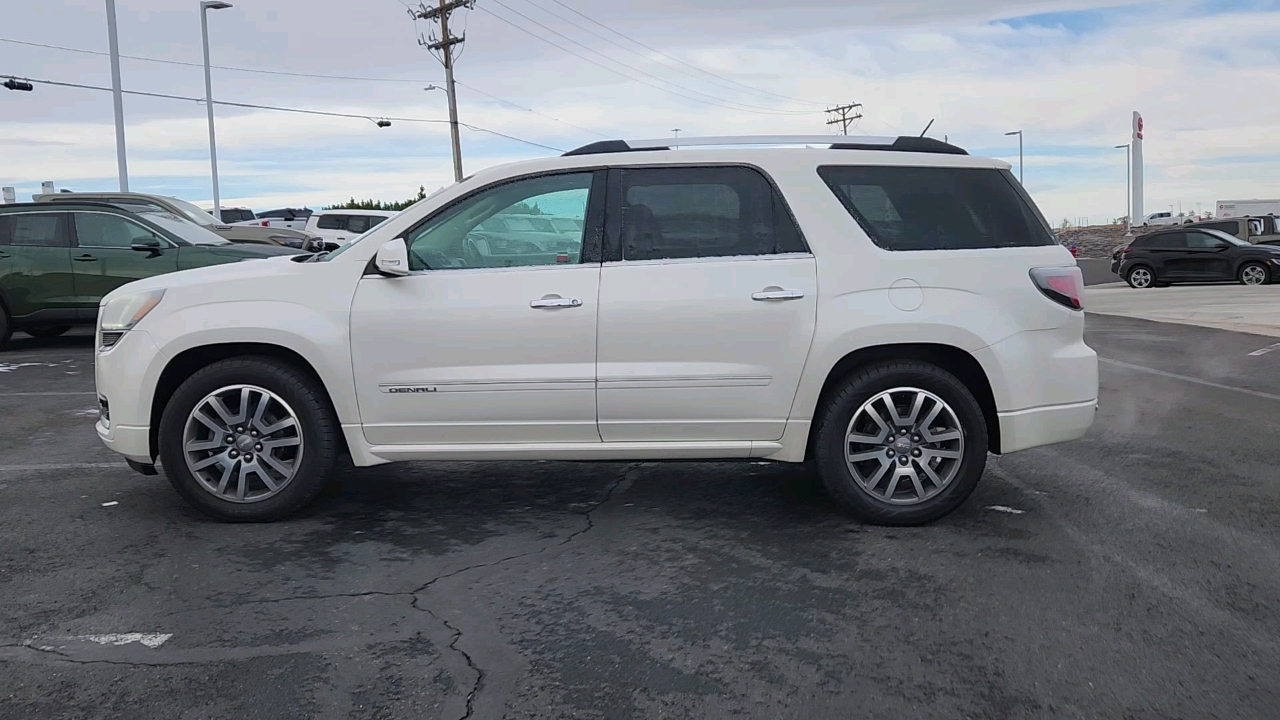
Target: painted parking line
41,394
1187,378
61,466
1265,350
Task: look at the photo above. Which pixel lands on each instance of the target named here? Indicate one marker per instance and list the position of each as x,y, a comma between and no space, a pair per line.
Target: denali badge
408,389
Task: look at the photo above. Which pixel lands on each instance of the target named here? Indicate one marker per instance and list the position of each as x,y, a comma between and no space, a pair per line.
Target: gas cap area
906,295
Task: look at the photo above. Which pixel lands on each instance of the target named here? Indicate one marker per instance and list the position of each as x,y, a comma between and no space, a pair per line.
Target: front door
37,270
707,307
104,258
491,338
1212,259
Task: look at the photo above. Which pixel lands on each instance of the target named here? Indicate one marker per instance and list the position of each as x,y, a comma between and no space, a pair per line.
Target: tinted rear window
920,208
332,222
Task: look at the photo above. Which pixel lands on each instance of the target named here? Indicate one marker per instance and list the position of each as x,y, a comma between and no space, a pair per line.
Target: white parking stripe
60,466
37,394
1265,350
1186,378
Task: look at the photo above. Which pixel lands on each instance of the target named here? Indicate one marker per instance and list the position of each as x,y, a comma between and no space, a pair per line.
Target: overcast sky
1069,73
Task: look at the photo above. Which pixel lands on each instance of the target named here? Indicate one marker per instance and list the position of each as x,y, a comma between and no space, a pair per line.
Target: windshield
193,213
184,229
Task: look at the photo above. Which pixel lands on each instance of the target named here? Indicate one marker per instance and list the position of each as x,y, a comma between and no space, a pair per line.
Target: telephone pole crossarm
845,115
425,13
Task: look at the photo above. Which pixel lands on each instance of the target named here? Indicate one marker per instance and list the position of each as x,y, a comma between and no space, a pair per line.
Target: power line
714,100
279,108
678,60
320,76
531,110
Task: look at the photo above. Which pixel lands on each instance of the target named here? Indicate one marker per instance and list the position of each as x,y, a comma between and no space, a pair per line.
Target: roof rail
835,142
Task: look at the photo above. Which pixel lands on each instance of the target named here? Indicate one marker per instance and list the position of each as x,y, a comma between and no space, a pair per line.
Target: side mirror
149,245
392,259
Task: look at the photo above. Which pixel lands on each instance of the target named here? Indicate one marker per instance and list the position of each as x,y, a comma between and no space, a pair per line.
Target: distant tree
354,204
524,208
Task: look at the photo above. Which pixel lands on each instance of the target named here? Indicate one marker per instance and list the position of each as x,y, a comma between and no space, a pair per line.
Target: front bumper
121,377
133,442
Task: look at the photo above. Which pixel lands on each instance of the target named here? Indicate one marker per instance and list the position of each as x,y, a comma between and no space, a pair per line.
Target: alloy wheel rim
1254,275
1140,277
904,446
242,443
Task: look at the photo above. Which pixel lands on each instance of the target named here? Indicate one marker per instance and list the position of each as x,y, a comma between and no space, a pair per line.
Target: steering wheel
471,253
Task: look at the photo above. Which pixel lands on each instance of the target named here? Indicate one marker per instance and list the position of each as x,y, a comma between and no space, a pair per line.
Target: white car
1163,218
342,226
890,311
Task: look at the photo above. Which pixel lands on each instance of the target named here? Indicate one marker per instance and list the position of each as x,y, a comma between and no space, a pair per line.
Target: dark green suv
56,263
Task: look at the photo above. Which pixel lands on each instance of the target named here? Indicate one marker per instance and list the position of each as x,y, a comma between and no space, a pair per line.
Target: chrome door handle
778,294
556,302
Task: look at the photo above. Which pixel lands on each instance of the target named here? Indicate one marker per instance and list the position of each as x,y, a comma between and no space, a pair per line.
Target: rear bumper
1033,427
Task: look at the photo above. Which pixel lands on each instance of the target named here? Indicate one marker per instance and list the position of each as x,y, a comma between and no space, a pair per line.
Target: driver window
108,231
538,221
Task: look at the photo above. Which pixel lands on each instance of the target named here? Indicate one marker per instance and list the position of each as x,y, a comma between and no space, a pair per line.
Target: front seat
642,238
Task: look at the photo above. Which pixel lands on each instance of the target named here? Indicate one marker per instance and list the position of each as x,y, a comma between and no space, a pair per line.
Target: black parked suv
1185,254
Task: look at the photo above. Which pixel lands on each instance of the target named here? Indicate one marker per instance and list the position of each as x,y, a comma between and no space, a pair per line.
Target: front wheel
248,440
1141,277
900,443
1254,274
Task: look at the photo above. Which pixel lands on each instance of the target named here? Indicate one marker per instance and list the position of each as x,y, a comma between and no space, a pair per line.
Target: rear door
104,258
1169,254
707,307
36,268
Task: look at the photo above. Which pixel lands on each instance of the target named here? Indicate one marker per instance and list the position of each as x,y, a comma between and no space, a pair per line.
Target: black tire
46,331
318,428
1137,283
837,412
6,326
1266,273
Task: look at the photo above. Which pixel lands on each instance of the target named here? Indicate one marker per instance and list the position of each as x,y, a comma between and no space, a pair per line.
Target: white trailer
1247,208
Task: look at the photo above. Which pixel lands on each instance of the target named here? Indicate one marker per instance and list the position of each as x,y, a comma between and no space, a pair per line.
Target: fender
321,338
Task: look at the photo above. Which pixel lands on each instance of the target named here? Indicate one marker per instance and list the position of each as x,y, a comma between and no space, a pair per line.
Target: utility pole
113,45
843,115
445,45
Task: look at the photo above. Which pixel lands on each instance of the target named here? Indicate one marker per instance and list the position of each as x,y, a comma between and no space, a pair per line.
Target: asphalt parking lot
1133,574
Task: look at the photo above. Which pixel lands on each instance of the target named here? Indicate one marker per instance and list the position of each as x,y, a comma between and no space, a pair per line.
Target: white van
342,226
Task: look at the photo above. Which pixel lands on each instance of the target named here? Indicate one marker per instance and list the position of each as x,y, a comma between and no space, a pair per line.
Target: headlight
122,313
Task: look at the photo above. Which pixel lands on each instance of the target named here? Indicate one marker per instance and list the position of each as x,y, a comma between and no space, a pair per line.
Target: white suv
889,310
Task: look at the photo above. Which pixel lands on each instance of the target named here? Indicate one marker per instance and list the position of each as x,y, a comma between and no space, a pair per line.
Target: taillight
1063,285
1126,251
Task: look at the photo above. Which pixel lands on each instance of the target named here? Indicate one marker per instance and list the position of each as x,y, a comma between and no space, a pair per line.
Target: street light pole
117,96
1128,196
1019,134
205,7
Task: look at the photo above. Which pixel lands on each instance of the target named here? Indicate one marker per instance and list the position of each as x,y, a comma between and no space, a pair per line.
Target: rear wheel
47,331
901,443
1141,277
6,327
248,440
1254,274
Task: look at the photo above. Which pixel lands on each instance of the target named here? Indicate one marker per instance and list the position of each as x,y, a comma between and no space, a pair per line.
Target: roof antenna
926,127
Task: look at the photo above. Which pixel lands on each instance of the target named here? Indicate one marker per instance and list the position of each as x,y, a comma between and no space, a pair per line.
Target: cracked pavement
1140,580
